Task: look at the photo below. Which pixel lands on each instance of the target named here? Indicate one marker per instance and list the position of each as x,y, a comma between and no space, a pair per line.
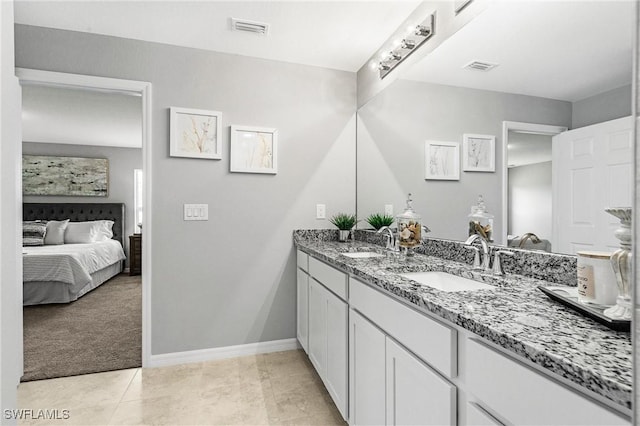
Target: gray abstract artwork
46,175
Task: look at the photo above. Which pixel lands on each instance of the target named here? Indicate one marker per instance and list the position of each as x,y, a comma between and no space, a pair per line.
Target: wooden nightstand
135,254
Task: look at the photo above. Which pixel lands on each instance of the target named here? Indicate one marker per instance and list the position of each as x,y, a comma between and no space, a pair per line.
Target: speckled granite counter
515,315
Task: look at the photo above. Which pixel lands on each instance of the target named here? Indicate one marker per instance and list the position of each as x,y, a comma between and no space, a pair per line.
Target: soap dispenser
481,221
409,227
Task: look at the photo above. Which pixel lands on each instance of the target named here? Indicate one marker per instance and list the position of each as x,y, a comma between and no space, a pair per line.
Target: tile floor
276,388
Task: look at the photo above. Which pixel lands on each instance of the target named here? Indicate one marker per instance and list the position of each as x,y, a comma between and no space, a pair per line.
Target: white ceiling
81,117
333,34
528,148
566,50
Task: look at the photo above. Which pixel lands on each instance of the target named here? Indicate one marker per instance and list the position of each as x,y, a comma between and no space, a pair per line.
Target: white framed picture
254,149
442,160
478,153
195,133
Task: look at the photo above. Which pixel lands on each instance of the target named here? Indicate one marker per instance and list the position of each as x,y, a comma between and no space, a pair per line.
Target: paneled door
592,170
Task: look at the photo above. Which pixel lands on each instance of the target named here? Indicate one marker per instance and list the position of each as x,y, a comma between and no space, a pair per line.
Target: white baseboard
212,354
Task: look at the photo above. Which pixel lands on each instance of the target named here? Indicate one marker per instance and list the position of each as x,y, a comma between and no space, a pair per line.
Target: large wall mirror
553,66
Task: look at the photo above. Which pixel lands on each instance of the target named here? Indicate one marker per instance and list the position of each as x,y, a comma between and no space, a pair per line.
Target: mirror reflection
557,99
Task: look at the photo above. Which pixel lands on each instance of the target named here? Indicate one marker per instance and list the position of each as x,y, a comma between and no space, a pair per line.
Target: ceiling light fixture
416,36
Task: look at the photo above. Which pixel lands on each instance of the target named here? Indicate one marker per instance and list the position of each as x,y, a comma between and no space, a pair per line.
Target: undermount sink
446,282
362,254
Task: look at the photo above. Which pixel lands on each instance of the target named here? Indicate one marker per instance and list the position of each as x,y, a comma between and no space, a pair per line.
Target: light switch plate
388,209
321,211
196,212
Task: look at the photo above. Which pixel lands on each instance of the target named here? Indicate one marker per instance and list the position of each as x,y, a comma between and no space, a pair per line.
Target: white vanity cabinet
517,394
389,384
327,317
302,299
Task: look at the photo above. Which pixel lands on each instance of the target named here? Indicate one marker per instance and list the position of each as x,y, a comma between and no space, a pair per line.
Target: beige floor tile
75,392
151,383
99,415
166,410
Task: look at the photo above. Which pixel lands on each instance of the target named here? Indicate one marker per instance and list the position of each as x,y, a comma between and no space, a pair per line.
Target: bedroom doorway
127,293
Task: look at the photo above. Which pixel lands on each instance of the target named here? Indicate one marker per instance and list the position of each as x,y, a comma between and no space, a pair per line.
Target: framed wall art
442,160
254,149
195,133
73,176
478,153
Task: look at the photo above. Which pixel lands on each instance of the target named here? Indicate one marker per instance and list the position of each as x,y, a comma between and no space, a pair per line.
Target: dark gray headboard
78,212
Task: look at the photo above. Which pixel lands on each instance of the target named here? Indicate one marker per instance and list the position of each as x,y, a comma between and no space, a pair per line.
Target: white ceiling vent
247,26
480,66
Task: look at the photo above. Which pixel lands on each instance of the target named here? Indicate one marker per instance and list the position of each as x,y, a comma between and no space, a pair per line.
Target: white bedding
69,263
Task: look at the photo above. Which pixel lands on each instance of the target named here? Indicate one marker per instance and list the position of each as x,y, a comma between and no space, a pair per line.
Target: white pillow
55,232
88,232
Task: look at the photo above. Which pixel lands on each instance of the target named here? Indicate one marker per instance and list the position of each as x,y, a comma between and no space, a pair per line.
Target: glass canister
481,221
409,226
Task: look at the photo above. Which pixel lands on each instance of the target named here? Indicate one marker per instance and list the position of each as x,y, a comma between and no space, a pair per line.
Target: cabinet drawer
303,260
432,341
521,395
329,277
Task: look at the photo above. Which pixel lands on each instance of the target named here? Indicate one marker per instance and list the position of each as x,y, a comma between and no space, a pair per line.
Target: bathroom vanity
393,351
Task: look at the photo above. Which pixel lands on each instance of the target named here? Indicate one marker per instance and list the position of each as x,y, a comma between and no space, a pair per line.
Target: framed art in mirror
478,153
195,133
442,160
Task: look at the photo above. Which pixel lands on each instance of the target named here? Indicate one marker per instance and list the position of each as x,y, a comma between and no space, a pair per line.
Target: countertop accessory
481,221
568,296
345,223
620,261
391,240
409,228
596,280
497,266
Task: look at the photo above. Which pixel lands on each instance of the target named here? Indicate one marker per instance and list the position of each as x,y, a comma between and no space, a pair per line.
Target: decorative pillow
33,233
88,232
55,232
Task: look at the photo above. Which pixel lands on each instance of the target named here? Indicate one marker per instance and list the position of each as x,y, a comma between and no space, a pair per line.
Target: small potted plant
378,220
344,222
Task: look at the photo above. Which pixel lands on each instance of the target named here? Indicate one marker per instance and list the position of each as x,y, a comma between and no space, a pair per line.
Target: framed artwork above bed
75,176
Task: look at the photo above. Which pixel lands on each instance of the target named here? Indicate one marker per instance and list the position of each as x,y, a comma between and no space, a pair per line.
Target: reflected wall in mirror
550,72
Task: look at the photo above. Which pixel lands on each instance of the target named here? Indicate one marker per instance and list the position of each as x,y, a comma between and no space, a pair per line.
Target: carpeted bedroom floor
101,331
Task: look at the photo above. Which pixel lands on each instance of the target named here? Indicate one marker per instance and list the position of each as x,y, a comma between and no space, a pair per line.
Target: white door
592,170
317,327
303,309
337,355
366,372
416,395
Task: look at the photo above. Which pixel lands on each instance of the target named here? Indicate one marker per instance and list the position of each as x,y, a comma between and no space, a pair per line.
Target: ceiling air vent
480,66
254,27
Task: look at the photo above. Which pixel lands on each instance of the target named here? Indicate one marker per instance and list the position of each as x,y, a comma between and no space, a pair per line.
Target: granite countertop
516,315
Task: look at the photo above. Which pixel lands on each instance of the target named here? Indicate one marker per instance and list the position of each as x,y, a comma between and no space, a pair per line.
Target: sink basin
362,254
446,282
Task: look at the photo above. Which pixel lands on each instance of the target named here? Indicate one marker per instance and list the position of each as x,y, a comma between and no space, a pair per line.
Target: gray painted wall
230,280
530,200
122,162
605,106
393,128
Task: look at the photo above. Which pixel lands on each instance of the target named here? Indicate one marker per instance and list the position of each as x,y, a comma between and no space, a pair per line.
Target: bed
63,273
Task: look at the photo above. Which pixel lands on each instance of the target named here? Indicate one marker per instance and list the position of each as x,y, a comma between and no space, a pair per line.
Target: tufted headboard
78,212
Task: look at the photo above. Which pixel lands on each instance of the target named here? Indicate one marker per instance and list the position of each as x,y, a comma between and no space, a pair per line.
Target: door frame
144,89
540,129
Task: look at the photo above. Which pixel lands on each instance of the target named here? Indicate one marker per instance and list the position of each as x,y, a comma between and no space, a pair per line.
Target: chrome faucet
391,238
497,265
485,252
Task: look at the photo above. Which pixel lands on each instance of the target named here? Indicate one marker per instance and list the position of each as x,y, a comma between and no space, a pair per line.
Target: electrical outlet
388,209
321,211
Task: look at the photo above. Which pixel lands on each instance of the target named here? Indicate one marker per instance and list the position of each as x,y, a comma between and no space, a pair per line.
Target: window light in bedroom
137,199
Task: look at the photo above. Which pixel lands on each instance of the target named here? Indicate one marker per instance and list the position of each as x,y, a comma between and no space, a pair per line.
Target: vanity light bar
416,37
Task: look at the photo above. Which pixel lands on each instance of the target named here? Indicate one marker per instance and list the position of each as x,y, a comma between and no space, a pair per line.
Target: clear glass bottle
409,227
481,221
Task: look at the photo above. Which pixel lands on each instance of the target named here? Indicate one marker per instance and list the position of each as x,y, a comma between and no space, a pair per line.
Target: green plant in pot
378,220
344,222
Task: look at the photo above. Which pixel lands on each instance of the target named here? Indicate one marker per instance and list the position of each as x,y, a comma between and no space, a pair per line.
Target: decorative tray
568,296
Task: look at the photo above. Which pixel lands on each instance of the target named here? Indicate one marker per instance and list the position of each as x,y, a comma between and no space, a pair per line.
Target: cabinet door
476,416
416,395
337,355
366,372
317,327
303,309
